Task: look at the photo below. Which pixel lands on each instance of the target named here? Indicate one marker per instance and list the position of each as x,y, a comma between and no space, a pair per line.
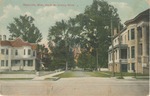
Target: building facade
130,50
17,55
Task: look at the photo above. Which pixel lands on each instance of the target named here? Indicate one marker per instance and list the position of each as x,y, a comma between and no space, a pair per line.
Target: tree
96,25
90,30
63,36
24,27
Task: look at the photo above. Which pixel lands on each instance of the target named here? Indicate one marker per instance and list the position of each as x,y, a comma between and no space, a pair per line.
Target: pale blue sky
46,16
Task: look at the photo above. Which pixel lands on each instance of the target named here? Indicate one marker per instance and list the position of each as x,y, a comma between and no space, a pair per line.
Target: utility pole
113,73
97,59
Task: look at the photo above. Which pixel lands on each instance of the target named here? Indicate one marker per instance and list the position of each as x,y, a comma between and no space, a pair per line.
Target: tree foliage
96,27
90,30
24,27
61,38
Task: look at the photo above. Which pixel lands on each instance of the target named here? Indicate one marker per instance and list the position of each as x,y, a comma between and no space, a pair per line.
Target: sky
47,12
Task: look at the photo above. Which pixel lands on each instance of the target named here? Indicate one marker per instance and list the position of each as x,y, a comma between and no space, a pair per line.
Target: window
4,37
24,52
128,52
33,53
6,62
24,63
140,49
0,37
133,66
148,39
7,52
15,62
29,52
16,52
132,52
124,53
3,51
132,34
140,32
128,35
2,63
30,62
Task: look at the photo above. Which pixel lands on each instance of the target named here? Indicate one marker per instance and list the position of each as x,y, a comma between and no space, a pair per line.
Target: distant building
76,53
17,55
134,46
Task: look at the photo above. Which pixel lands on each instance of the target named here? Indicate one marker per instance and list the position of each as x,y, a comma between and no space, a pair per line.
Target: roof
139,16
18,42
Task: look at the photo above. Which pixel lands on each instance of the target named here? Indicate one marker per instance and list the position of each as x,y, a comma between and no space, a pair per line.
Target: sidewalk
132,77
17,76
47,76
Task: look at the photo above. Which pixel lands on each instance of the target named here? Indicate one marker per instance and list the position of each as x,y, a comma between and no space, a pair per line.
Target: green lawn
69,74
107,74
99,74
66,75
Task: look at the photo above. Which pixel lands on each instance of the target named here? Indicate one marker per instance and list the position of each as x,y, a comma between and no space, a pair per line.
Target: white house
17,55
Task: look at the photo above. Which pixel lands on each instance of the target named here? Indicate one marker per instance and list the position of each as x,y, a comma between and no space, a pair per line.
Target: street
77,86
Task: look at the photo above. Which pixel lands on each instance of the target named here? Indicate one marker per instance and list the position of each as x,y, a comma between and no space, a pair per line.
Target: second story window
0,37
128,35
29,52
140,32
132,34
16,52
24,51
33,53
4,37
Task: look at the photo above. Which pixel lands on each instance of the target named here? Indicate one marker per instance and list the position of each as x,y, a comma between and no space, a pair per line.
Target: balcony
123,46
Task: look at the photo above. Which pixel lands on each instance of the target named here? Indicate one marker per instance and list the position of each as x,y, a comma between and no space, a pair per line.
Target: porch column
9,59
33,64
145,46
144,41
136,49
21,65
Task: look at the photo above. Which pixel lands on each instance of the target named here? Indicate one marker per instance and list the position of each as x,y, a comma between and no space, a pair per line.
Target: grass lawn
67,74
99,74
107,74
